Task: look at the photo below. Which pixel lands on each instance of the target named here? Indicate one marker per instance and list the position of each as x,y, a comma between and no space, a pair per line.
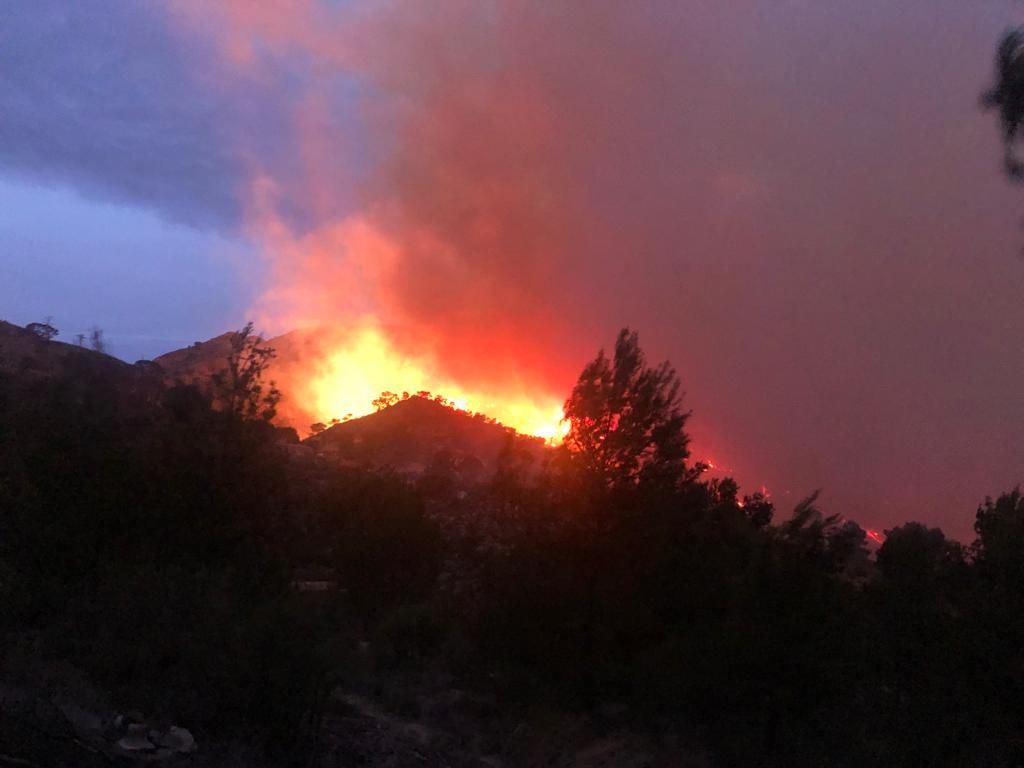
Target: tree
96,341
914,557
239,387
386,400
999,548
1007,96
835,544
43,330
626,423
759,509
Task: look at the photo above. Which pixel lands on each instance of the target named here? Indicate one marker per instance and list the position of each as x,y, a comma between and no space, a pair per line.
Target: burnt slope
417,433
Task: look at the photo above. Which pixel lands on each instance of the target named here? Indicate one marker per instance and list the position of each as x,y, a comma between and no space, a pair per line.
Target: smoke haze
797,203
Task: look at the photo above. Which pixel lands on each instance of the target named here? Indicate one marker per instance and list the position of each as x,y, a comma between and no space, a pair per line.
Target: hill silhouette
296,354
26,357
417,434
411,437
24,353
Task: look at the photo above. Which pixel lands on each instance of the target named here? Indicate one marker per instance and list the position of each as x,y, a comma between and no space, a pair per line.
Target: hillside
23,353
411,437
296,353
417,433
196,364
27,358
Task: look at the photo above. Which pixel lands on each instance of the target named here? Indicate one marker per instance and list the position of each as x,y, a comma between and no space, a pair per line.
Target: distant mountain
198,363
25,353
418,435
296,353
26,357
415,436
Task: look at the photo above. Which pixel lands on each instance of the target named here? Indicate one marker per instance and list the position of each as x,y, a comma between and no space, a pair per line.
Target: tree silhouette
386,400
96,341
239,387
759,509
626,422
914,557
834,543
1007,96
1000,543
43,330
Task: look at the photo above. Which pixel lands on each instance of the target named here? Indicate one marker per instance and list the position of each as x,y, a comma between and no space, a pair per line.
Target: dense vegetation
155,546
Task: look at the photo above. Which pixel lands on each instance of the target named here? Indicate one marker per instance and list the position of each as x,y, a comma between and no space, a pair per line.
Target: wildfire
356,372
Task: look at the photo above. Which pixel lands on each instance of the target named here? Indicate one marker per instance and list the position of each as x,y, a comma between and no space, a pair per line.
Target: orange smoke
438,202
441,264
331,278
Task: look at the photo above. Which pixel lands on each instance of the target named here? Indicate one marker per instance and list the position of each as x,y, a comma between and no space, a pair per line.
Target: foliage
240,386
385,400
1007,96
96,341
626,423
157,548
44,330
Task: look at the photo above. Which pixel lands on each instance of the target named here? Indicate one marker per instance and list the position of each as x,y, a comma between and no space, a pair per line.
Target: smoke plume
798,203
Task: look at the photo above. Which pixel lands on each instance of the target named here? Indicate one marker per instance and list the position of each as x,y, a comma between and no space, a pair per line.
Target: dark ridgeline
287,603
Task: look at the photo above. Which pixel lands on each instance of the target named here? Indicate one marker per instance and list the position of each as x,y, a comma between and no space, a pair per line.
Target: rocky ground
63,722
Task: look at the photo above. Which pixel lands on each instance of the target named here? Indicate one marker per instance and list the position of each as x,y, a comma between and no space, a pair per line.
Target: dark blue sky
796,201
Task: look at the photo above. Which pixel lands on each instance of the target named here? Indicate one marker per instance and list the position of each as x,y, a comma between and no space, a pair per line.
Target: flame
875,536
358,369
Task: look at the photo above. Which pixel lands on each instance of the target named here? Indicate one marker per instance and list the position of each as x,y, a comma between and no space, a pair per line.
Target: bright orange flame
356,371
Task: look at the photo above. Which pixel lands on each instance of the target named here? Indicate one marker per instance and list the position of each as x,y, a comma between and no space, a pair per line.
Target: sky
798,203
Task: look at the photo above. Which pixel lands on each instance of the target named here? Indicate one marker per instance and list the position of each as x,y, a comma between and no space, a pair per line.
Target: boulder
135,742
176,739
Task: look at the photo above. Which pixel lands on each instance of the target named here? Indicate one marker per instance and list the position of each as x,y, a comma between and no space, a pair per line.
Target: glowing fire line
354,374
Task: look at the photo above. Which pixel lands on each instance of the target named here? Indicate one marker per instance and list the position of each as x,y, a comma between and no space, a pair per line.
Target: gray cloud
105,97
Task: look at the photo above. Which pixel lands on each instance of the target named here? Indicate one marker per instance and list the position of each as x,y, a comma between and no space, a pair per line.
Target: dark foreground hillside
183,585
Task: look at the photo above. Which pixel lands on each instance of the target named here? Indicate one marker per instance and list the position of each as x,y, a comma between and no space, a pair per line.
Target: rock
135,742
177,739
83,721
130,719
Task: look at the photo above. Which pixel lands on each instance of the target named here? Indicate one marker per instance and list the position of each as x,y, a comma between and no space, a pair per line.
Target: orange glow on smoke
357,370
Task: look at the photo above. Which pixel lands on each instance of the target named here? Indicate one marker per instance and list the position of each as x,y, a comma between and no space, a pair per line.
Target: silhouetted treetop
240,386
386,400
44,330
1007,95
627,424
1000,528
96,341
915,556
